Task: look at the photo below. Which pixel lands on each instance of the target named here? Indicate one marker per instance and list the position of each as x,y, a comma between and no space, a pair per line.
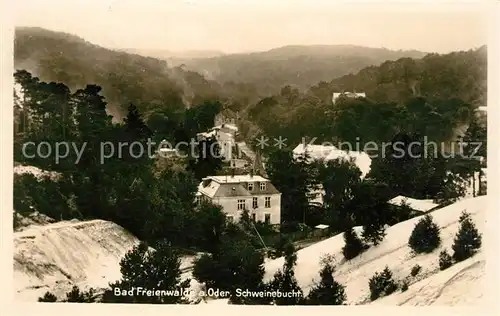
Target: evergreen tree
294,179
468,239
327,291
339,179
353,244
425,236
369,209
235,264
149,269
473,145
373,233
48,297
416,171
134,124
207,158
208,227
284,280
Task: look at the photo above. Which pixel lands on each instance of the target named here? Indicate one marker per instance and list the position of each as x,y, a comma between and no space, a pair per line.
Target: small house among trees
404,208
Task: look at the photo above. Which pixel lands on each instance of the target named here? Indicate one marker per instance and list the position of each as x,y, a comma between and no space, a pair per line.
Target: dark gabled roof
231,189
270,189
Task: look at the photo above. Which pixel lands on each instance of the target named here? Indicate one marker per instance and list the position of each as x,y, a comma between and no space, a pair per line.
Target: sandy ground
460,284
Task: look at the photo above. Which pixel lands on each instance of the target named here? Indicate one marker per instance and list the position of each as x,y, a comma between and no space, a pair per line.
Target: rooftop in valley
236,179
417,205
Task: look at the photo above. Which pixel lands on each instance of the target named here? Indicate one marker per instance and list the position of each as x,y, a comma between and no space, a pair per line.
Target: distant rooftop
417,205
330,152
236,179
336,95
226,125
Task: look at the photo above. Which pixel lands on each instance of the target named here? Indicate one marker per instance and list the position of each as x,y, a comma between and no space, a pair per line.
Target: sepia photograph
250,153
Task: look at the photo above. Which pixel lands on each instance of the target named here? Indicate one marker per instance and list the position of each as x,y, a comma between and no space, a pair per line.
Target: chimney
251,173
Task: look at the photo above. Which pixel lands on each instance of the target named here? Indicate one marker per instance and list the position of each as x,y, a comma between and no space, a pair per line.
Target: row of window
255,203
267,218
251,185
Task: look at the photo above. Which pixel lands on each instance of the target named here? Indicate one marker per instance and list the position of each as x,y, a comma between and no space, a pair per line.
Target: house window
255,203
250,187
254,217
262,186
267,219
267,202
241,205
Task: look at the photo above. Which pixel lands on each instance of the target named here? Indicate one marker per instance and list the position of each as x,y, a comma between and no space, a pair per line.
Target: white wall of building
230,207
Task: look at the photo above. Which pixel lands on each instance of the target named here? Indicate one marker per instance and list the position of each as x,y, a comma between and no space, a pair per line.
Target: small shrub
468,239
353,245
445,260
404,286
48,297
415,270
382,284
425,236
77,296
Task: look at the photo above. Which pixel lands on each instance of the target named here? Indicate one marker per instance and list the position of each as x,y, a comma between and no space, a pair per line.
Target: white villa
330,152
243,192
337,95
224,134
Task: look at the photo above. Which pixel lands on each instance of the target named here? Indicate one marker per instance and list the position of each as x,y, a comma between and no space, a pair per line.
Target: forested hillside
301,66
459,75
148,83
431,96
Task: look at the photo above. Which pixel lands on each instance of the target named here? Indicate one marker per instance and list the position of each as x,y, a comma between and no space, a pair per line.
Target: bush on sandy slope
382,284
468,239
404,286
73,296
415,270
425,236
445,260
77,296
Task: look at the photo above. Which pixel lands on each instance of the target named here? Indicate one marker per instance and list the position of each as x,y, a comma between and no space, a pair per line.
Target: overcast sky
253,25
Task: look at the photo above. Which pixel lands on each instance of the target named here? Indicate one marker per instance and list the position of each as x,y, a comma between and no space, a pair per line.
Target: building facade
225,135
243,192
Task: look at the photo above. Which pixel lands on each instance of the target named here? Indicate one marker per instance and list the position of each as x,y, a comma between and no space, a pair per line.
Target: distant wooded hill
174,55
461,75
433,95
300,66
